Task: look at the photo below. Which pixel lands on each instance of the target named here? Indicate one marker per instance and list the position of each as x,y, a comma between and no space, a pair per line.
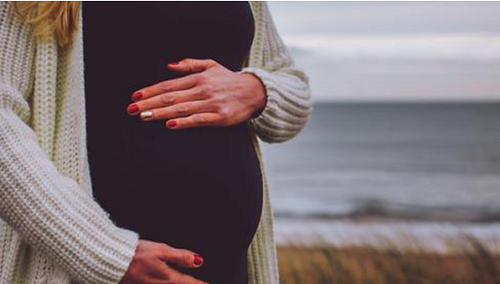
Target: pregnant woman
203,182
128,135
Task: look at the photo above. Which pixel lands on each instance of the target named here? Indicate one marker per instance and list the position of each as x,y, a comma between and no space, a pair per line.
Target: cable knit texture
51,228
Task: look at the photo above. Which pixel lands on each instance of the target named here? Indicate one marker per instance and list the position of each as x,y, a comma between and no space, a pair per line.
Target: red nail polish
171,123
133,109
173,63
137,96
198,260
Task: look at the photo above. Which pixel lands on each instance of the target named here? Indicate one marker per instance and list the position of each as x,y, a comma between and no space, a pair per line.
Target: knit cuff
271,97
120,256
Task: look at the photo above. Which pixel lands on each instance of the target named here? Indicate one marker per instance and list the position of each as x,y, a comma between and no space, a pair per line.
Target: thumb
191,65
181,257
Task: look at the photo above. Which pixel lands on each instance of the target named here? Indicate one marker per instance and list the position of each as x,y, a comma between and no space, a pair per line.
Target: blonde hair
59,18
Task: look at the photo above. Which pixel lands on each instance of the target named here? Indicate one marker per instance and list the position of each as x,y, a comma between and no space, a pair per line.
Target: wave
449,48
375,208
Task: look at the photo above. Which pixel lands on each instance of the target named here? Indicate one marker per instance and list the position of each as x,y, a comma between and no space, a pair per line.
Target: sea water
407,162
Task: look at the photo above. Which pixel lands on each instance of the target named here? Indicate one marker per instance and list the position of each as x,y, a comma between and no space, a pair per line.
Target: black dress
199,188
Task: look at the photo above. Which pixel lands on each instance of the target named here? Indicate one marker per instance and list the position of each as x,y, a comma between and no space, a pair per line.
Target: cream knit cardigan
51,229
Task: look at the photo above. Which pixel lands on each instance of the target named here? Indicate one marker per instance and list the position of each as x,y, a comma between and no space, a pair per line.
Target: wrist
260,94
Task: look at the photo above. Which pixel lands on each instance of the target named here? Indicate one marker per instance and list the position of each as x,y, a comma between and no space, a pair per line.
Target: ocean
407,163
405,134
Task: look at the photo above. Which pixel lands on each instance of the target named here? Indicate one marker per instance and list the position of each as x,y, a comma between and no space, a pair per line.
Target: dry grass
322,264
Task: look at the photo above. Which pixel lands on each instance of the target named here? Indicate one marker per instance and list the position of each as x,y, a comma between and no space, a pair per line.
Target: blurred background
403,147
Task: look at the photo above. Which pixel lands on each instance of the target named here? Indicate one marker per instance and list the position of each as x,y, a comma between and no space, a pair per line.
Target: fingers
165,100
186,101
190,65
196,120
182,257
187,65
178,84
178,110
150,265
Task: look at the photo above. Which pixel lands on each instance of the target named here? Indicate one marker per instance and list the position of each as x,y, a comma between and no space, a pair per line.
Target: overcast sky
385,17
395,51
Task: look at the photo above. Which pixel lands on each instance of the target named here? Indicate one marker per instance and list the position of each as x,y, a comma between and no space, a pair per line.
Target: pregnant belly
199,189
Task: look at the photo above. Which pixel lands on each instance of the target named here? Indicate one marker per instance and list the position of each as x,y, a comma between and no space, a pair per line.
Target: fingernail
171,123
137,96
198,260
133,109
173,63
146,114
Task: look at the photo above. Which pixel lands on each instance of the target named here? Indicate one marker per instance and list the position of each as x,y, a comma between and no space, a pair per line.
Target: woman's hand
150,265
211,95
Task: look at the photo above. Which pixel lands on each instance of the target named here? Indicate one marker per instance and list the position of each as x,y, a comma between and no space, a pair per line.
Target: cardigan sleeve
289,104
49,210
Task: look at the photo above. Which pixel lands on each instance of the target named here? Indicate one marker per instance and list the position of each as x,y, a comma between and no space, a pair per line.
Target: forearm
53,214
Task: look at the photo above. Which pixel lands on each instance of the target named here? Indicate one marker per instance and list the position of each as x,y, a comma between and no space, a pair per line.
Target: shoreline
436,236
